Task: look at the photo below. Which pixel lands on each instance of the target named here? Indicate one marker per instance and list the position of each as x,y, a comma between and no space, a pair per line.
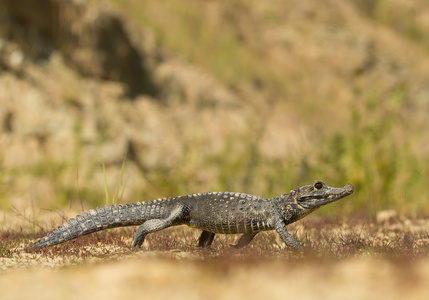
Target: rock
93,40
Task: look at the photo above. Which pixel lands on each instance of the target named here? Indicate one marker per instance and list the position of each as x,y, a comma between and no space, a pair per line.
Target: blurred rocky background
192,96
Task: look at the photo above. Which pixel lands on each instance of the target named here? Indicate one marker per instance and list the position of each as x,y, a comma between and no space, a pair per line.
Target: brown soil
164,278
358,259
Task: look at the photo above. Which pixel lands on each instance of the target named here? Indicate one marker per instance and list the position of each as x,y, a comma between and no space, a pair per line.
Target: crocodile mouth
326,196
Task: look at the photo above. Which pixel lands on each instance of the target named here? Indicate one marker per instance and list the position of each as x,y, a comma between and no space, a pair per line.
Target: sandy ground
385,258
166,278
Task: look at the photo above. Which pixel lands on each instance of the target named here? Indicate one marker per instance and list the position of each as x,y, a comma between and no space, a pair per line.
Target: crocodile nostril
349,187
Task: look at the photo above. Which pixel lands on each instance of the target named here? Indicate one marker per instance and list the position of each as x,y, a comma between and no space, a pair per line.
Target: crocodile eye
318,185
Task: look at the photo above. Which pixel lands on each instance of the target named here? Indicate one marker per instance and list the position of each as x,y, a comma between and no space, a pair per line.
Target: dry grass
395,238
343,259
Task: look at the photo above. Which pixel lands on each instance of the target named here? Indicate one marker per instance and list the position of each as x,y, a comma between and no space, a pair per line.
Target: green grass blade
106,190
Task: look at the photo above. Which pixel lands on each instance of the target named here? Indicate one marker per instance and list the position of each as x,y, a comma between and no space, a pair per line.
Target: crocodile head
318,194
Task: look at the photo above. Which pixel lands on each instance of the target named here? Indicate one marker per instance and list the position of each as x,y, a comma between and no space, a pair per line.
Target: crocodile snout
349,188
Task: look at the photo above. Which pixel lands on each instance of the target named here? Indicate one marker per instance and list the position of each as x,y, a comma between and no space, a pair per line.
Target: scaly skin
214,213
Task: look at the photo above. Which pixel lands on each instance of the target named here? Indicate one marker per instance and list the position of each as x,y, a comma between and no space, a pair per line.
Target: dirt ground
363,259
165,278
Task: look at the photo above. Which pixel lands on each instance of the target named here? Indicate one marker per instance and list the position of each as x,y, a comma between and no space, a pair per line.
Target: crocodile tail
96,220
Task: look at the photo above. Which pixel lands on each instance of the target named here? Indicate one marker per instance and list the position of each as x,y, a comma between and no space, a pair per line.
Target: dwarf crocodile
214,213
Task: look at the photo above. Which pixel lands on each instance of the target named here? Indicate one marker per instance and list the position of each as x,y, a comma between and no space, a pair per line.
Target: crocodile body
214,213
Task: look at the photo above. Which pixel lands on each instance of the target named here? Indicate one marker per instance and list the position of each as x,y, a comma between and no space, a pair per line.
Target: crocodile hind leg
244,240
155,225
206,239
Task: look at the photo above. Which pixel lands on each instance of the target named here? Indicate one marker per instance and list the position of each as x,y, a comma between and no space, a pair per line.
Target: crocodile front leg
280,227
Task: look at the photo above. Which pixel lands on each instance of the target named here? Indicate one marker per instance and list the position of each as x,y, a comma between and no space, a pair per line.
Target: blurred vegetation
370,153
373,148
397,15
374,151
375,157
192,31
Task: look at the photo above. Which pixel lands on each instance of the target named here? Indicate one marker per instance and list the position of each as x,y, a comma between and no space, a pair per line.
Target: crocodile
214,213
